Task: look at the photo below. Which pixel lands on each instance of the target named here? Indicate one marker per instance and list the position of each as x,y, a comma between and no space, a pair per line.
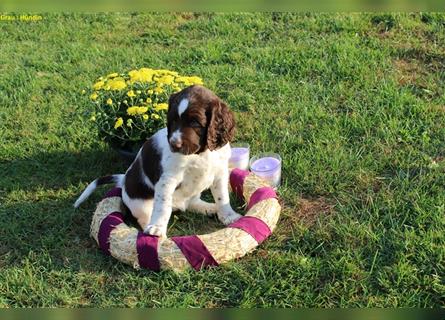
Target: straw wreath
129,245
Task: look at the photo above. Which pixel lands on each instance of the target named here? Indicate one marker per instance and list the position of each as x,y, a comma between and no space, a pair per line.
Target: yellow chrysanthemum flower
132,110
131,93
117,84
119,123
159,84
148,100
181,79
109,101
150,91
94,96
142,110
155,116
98,85
166,79
158,90
133,73
161,106
141,75
145,116
164,72
188,81
146,70
195,80
136,110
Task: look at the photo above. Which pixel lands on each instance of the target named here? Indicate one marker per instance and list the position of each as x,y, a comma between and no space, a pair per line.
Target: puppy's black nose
177,144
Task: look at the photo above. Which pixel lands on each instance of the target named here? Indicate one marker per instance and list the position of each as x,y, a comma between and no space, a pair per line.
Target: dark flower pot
128,151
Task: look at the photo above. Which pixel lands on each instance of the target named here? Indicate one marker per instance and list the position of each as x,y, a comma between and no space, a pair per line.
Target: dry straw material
219,247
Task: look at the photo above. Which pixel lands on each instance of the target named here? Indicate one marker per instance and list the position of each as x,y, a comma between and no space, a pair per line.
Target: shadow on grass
55,230
38,219
55,170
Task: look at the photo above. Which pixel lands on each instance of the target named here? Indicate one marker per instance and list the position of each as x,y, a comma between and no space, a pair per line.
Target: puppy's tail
115,178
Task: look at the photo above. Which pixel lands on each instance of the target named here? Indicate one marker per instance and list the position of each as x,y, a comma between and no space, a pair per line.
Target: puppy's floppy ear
221,128
172,105
172,100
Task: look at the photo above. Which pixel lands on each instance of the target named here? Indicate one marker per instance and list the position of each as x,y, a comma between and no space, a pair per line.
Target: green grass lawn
354,104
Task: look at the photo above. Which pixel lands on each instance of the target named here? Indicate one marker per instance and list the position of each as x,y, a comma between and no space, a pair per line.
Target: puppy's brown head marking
198,120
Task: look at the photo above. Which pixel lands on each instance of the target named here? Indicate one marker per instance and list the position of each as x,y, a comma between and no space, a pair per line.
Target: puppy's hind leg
141,209
201,206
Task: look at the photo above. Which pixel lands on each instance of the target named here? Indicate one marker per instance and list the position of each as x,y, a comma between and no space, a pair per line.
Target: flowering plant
130,107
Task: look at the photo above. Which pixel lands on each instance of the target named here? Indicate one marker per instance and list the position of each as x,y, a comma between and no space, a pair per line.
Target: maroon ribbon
237,177
195,251
261,194
107,225
257,228
147,248
115,192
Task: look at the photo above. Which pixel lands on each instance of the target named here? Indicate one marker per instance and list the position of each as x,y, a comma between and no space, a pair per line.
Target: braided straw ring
132,247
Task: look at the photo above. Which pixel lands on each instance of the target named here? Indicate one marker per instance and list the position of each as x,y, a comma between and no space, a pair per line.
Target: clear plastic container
240,156
267,165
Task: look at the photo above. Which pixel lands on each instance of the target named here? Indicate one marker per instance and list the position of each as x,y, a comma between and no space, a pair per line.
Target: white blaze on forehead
183,106
176,136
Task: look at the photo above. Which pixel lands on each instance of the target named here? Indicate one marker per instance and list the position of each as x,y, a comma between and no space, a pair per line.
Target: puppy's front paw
209,209
228,217
156,230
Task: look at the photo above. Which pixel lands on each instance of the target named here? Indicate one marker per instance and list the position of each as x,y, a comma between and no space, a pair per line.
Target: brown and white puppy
177,163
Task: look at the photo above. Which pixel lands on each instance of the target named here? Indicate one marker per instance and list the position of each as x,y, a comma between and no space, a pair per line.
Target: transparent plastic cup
240,156
267,165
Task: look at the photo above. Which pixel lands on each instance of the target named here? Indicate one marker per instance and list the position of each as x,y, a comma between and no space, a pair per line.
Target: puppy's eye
195,124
